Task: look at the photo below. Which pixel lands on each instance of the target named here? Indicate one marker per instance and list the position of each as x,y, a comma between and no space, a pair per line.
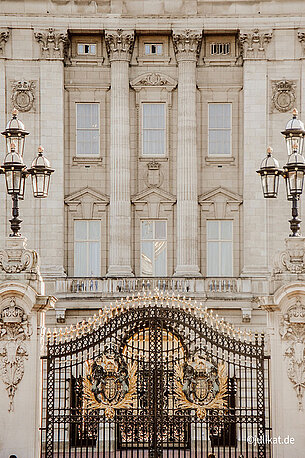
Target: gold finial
295,113
49,334
54,335
40,149
269,151
15,113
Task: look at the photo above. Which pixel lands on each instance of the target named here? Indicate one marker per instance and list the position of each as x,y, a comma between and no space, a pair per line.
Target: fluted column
119,47
187,46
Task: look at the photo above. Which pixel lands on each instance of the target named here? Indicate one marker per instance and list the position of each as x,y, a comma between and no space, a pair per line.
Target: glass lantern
41,172
15,133
270,173
14,169
294,134
294,174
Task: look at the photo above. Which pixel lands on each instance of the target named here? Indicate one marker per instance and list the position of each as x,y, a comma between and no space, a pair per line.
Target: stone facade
262,77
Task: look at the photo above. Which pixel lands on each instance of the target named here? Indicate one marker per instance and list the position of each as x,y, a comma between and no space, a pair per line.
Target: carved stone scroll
292,331
15,330
119,44
293,258
187,44
53,44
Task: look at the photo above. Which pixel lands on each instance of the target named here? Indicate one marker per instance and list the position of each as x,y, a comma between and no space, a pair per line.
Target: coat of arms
109,383
200,385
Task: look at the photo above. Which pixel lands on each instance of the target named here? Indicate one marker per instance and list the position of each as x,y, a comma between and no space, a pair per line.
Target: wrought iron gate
154,377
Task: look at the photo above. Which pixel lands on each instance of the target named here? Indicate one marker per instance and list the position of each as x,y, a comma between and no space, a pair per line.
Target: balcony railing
125,286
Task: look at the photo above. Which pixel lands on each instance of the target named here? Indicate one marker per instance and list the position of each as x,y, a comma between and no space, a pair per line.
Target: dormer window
153,49
220,49
86,49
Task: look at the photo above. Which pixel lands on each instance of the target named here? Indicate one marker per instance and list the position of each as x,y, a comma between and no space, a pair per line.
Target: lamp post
293,171
16,171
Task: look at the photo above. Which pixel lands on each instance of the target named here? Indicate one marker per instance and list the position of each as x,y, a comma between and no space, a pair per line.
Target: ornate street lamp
293,172
16,171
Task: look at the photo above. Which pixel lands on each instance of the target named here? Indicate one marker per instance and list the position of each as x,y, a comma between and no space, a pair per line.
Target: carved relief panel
283,95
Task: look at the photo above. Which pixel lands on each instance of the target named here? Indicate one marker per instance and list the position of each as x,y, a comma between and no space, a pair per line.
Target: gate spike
49,334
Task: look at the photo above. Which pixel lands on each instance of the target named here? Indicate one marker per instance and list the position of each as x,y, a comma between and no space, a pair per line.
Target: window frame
150,44
220,241
142,220
86,44
221,129
163,155
98,129
87,246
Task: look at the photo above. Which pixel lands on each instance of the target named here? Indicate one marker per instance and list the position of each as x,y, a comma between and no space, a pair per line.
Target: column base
120,271
187,271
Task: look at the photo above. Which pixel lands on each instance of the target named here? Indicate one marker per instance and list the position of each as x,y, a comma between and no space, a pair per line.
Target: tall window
153,129
87,129
219,248
153,248
220,129
87,248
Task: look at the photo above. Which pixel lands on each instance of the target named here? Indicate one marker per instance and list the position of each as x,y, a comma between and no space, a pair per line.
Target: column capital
119,44
254,43
187,44
4,36
53,44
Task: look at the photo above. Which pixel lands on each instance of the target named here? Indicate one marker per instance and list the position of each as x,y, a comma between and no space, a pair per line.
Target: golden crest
109,385
201,390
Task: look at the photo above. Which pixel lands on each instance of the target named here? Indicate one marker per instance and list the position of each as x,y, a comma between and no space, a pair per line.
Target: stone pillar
119,47
187,46
22,311
255,249
53,44
286,330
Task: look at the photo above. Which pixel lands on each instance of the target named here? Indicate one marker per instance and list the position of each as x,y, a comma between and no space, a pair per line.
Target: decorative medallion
292,330
200,385
283,95
14,331
154,177
109,383
23,95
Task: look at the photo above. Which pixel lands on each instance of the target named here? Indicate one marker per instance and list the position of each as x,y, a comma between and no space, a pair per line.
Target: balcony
195,287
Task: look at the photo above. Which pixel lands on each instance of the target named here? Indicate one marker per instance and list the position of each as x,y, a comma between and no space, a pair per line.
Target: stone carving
119,44
292,259
153,79
292,330
254,44
16,260
52,44
301,37
3,39
14,331
154,177
283,95
23,95
187,44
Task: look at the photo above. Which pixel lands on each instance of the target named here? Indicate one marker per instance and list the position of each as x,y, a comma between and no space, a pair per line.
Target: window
87,248
153,49
86,49
153,248
220,49
153,129
87,129
219,248
220,129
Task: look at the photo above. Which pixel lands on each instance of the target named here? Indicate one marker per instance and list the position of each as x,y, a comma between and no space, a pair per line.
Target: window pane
147,258
226,259
219,115
219,142
153,115
80,259
147,230
80,230
153,142
213,259
94,230
213,230
94,259
160,259
160,229
226,230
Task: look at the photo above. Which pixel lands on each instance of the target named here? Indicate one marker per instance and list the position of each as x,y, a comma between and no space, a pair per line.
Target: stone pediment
221,201
153,202
86,202
153,79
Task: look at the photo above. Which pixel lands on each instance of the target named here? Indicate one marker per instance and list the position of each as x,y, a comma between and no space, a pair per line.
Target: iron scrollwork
110,383
200,385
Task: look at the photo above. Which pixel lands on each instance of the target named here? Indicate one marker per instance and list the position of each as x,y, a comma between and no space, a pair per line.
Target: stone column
255,249
285,307
119,47
187,46
22,312
53,44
